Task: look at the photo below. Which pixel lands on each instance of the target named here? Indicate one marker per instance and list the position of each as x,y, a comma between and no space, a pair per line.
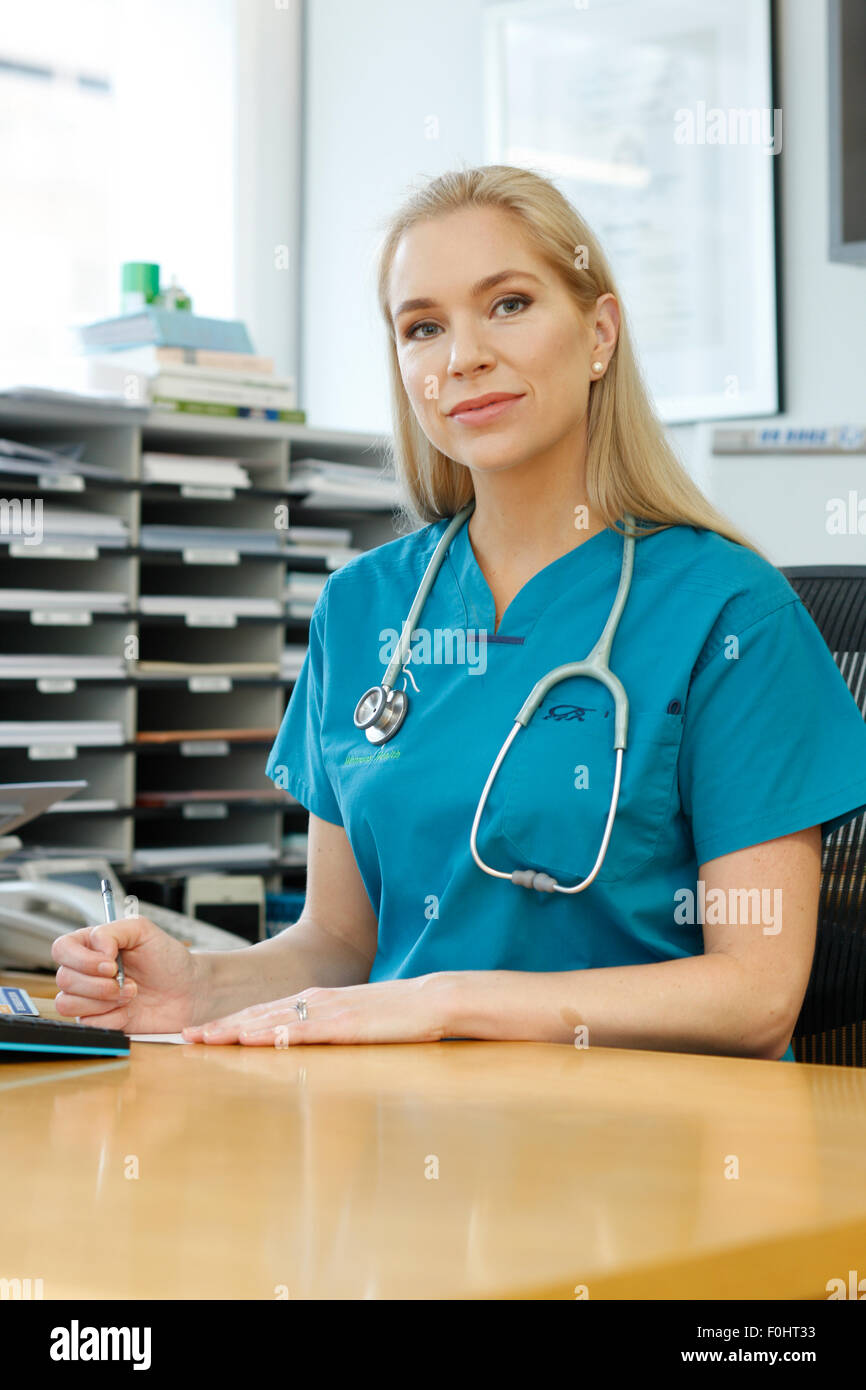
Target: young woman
692,920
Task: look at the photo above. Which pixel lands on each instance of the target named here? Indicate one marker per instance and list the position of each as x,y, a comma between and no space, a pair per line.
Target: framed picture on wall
657,121
846,53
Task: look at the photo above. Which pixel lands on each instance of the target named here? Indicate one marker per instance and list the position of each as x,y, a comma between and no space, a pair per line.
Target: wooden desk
306,1169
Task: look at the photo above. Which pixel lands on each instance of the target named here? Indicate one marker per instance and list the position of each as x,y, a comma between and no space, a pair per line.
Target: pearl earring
597,366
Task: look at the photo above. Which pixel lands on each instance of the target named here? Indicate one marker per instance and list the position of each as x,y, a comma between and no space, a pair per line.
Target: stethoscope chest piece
380,712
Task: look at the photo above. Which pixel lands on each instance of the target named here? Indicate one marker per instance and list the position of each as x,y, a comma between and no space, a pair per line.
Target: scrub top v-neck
741,730
534,596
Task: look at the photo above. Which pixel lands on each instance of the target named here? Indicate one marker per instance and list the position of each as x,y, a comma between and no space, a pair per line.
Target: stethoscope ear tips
380,712
529,878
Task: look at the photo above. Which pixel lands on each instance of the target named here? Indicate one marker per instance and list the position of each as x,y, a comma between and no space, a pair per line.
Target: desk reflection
428,1170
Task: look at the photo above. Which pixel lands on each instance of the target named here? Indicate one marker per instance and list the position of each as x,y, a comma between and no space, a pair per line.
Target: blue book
27,1039
166,328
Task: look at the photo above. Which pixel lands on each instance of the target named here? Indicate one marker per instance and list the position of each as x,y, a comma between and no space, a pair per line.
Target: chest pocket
560,782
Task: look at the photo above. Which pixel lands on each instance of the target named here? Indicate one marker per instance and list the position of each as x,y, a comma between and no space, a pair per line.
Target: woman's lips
483,413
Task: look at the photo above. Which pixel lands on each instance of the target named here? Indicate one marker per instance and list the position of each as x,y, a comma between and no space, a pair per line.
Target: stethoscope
381,710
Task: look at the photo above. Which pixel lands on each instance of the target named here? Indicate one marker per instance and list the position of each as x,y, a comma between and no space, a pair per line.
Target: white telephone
58,896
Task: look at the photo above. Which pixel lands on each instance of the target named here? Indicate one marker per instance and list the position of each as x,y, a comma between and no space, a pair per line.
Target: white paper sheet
159,1038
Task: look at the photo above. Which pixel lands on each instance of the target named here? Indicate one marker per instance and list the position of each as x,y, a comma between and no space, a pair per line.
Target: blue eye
513,299
522,299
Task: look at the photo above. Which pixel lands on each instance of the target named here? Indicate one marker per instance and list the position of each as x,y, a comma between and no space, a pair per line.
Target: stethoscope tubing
401,655
385,720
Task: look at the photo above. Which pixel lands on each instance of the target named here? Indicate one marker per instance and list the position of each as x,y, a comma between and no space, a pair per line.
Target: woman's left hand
390,1011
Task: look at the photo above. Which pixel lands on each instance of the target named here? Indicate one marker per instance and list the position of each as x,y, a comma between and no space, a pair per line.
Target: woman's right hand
163,978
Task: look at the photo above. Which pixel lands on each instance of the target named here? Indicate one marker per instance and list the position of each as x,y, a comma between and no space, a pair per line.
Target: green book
234,412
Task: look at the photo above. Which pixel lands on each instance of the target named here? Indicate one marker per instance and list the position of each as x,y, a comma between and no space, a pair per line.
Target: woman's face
523,336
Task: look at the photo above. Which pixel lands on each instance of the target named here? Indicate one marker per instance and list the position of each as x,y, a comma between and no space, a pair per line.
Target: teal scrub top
741,729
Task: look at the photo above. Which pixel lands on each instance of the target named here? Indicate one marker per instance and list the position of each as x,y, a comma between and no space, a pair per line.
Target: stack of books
82,733
196,473
178,361
343,486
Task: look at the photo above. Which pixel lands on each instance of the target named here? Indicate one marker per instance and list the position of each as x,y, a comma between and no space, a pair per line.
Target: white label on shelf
212,619
205,685
60,482
41,752
59,617
211,556
336,558
204,748
59,686
216,494
212,810
53,552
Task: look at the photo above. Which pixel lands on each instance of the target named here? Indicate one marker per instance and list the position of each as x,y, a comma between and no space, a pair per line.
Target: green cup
139,285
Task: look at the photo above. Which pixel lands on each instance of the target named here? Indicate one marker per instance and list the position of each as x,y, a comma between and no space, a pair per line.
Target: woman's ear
606,326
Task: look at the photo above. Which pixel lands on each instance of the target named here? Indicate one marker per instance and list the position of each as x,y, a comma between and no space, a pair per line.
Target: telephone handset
33,912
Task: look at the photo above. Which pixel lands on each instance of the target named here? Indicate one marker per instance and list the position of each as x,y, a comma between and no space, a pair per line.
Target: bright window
117,142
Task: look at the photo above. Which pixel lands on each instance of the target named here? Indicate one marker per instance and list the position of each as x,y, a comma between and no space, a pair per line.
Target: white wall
374,73
782,502
175,159
268,78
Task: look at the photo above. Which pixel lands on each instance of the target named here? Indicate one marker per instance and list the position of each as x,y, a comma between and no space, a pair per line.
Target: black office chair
832,1023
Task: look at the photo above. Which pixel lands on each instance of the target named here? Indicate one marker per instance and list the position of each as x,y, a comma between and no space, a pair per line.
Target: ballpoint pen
108,904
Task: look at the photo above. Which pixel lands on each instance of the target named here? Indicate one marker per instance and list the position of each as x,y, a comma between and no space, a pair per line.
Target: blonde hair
630,467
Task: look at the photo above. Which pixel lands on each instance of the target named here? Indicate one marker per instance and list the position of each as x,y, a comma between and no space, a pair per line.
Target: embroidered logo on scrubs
573,712
381,755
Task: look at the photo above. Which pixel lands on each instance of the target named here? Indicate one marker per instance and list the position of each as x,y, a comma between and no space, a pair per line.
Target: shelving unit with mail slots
183,738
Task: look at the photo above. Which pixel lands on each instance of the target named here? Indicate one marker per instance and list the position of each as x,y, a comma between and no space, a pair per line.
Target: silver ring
301,1006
